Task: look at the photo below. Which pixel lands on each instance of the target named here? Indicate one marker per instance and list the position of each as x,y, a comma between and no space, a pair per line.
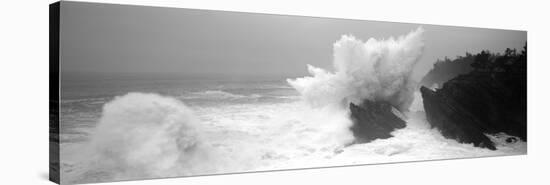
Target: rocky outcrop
373,120
453,121
470,106
488,100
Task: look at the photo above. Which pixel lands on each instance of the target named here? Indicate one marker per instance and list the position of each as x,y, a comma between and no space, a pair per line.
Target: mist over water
159,128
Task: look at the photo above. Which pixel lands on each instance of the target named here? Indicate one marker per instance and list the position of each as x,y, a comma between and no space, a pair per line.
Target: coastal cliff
489,100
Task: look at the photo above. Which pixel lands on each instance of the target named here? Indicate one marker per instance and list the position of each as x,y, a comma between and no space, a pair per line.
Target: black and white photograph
152,92
273,92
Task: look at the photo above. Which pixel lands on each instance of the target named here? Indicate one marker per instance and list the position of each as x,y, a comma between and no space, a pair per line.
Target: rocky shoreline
491,99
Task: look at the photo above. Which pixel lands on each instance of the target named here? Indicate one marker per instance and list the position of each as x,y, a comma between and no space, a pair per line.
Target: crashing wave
373,70
147,135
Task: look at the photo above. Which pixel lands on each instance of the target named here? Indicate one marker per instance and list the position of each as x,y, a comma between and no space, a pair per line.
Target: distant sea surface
82,99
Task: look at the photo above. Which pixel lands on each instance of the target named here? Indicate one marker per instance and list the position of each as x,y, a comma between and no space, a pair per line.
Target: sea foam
373,70
147,135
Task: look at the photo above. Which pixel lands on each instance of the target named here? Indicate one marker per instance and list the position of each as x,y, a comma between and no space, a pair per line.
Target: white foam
374,70
146,135
417,103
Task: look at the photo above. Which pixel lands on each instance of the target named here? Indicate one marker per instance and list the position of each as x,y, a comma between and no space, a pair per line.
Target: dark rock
373,120
472,105
511,140
490,99
453,121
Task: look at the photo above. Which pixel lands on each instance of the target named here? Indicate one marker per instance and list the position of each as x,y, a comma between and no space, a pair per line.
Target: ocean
82,99
121,128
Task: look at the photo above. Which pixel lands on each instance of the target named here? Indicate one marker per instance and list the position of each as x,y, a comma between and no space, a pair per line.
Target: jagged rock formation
373,120
454,121
489,100
469,106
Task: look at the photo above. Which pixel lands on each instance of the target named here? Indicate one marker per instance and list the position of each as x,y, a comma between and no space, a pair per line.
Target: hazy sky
99,38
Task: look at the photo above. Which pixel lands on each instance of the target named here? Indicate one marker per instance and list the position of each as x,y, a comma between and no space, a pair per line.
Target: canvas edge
54,148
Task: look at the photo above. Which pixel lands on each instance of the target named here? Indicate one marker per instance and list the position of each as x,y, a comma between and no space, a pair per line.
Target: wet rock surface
491,99
470,106
373,120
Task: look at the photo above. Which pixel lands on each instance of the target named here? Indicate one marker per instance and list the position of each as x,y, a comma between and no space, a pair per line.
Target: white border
24,92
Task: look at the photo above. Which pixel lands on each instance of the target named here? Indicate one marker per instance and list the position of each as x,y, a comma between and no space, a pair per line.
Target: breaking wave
146,135
373,70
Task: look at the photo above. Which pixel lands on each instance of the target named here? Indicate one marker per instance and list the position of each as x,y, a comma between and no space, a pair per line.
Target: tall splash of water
147,135
373,70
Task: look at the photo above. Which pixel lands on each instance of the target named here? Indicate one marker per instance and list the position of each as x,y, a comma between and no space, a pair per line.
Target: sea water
239,125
